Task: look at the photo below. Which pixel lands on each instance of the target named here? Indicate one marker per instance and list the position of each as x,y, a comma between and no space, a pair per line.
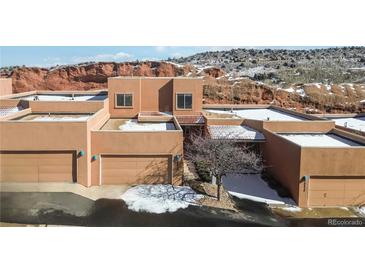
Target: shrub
202,171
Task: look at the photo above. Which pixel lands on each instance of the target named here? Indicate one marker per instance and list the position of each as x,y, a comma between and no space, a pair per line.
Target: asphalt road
59,208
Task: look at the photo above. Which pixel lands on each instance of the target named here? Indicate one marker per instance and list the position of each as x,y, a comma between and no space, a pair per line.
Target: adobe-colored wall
47,136
189,85
154,94
124,85
5,86
136,143
68,106
298,126
282,160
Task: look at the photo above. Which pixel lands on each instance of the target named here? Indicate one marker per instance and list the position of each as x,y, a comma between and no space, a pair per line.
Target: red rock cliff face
88,76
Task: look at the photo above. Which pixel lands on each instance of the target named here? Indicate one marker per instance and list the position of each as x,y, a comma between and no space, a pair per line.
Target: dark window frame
184,101
124,94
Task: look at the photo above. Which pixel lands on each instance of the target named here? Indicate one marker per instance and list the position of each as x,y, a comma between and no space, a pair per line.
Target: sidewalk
94,193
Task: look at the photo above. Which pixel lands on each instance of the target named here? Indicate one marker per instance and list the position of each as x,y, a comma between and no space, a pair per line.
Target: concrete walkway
94,193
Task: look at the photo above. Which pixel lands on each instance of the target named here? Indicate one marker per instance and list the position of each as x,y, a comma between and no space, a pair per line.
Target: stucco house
133,133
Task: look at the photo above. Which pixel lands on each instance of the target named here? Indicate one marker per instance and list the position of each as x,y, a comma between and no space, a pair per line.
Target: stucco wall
189,85
5,86
282,160
136,143
47,136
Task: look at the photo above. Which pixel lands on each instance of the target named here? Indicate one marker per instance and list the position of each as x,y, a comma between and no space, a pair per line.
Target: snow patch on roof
320,140
159,198
356,123
46,118
235,133
8,110
134,125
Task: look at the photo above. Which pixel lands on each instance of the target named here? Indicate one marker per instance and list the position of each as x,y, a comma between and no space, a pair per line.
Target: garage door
335,191
37,167
134,170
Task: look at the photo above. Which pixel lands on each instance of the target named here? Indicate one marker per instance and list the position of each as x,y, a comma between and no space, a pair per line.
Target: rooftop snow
320,140
134,125
260,114
235,133
8,110
54,117
51,97
356,123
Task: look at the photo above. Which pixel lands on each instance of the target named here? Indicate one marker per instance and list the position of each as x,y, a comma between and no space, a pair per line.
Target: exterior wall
6,87
124,85
223,122
65,106
298,126
188,85
154,94
282,160
136,143
47,136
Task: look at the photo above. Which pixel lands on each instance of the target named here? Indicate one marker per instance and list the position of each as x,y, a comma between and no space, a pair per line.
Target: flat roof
262,114
8,110
64,97
235,133
319,140
54,117
356,123
135,125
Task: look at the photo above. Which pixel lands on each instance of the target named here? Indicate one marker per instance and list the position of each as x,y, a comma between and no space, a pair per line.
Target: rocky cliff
218,86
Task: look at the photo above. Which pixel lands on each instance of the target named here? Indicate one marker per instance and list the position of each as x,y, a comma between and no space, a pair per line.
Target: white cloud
160,49
120,56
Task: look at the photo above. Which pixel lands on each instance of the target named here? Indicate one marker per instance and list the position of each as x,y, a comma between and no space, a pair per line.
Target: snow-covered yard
253,187
159,198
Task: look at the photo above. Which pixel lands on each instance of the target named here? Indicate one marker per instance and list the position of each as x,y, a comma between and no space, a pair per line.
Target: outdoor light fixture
81,153
177,158
94,158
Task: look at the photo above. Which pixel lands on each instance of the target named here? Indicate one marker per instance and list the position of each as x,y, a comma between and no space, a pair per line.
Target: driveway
64,208
253,187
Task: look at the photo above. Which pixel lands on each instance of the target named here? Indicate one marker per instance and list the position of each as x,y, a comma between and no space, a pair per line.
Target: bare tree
223,157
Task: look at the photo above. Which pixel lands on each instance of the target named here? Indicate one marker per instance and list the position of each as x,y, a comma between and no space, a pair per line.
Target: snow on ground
260,114
291,208
46,118
159,198
134,125
253,187
64,98
319,140
357,123
361,210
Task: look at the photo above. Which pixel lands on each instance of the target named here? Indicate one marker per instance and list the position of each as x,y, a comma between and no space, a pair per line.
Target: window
184,100
124,100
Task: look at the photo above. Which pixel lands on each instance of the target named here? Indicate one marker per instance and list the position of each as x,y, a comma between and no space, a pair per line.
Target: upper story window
184,101
123,100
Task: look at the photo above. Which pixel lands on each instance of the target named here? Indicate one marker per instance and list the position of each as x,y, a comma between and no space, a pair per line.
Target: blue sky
51,56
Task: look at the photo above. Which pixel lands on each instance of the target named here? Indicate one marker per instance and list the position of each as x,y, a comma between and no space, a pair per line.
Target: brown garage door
37,166
134,170
336,191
